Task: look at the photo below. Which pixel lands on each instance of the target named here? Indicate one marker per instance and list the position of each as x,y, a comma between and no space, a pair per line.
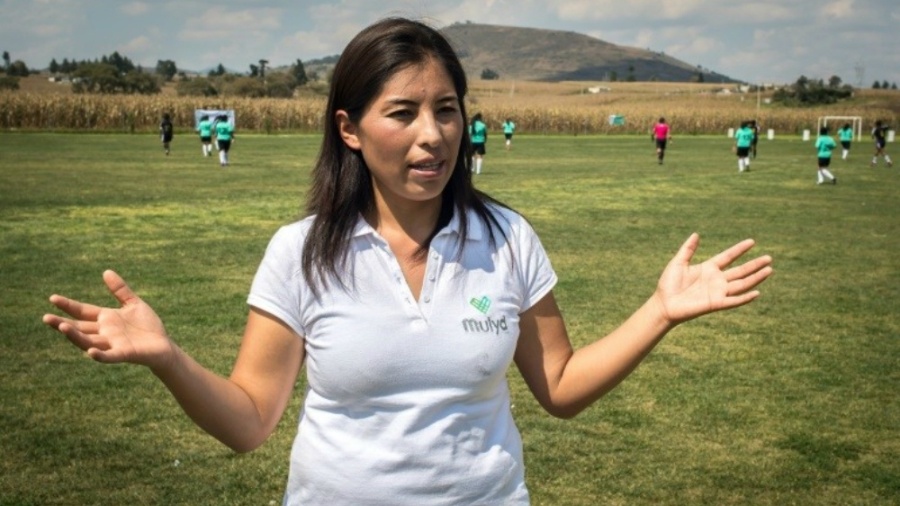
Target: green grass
791,400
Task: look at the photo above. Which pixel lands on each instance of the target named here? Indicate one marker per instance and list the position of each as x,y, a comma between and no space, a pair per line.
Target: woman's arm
241,411
565,381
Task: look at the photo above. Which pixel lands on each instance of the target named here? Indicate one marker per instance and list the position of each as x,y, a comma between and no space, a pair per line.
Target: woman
478,136
661,134
166,132
824,146
879,135
406,293
224,138
509,128
204,128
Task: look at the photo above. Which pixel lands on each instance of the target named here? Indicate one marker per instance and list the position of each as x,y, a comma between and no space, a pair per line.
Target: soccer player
166,132
878,134
224,137
661,134
204,128
478,134
508,129
824,146
754,125
743,140
845,134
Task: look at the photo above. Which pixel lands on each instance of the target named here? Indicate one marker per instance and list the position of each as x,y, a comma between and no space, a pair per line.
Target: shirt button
427,299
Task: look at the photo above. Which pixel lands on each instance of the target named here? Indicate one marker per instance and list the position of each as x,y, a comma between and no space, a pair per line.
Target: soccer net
855,124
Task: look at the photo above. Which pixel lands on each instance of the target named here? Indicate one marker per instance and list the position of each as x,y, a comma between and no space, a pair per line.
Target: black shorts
824,162
478,148
508,136
205,140
879,144
743,152
224,145
661,144
845,144
166,138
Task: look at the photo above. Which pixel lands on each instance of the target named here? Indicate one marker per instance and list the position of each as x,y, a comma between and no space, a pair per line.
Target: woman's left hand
687,291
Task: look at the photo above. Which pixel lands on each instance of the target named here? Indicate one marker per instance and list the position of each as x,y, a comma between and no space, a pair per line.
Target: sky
765,41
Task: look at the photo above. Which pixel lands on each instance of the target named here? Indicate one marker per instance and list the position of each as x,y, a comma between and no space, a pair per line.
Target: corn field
133,113
536,108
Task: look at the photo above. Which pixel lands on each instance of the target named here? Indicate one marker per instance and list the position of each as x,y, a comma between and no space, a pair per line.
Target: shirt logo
486,325
482,304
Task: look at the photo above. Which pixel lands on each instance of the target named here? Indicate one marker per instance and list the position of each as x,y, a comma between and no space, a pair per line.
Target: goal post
855,123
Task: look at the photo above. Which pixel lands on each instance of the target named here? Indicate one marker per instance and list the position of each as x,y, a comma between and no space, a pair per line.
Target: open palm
687,291
130,333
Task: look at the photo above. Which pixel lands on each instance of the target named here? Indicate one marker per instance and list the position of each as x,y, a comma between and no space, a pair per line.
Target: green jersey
824,145
744,137
224,131
509,127
205,128
845,134
478,132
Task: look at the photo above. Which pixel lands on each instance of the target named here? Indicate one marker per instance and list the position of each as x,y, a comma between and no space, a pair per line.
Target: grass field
791,400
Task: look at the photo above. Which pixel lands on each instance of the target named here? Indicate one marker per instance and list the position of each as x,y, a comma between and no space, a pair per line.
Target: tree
489,75
247,87
140,82
262,67
97,78
166,69
885,85
6,59
196,87
218,71
299,73
811,92
254,70
17,68
121,63
106,78
281,85
834,82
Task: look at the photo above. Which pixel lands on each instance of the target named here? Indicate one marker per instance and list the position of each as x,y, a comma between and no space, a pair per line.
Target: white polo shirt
407,400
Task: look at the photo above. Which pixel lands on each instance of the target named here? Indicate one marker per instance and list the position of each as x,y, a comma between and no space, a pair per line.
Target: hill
535,54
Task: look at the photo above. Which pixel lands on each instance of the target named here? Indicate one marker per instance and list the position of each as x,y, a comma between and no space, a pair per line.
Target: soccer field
791,400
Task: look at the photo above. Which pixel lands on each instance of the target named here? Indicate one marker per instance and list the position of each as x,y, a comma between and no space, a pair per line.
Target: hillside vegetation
551,55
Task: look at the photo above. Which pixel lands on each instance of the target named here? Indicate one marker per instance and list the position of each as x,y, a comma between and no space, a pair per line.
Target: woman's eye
401,114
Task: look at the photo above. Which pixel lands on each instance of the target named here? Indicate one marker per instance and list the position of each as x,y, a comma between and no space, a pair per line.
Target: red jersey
661,131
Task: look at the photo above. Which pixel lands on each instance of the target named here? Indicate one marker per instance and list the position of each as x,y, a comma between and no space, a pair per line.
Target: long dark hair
341,188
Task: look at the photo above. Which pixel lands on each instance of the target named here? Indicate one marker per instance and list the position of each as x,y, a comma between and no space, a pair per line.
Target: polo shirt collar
475,225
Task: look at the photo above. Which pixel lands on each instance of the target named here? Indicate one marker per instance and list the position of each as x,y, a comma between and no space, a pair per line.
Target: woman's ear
347,130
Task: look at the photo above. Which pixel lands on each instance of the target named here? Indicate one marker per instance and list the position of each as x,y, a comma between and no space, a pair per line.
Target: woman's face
409,135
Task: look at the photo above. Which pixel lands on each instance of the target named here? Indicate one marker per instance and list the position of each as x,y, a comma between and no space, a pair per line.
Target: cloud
839,9
135,8
139,44
219,23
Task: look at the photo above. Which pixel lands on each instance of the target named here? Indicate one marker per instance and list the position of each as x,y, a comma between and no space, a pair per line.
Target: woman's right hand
130,333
